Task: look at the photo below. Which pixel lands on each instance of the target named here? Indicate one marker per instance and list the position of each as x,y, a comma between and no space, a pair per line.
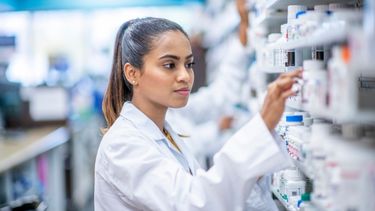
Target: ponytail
119,89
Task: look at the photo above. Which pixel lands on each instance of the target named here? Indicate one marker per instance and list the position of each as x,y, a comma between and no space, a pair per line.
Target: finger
287,94
284,83
294,73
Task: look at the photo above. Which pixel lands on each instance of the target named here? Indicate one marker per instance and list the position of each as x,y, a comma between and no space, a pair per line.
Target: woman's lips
183,91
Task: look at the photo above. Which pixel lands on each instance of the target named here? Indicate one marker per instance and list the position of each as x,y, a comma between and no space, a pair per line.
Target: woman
142,164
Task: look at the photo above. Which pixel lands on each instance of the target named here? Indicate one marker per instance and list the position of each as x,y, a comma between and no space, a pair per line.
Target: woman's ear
131,74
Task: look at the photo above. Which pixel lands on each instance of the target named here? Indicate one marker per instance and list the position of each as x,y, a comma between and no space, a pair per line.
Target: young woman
142,164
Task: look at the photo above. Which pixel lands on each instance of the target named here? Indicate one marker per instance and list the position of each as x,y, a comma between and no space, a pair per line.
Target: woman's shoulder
119,140
123,131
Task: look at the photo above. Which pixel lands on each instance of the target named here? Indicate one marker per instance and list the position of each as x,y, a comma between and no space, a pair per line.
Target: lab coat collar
141,121
184,149
145,124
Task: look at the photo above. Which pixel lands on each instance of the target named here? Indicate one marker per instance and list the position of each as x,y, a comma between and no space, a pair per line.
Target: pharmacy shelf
270,19
359,117
283,4
339,117
320,37
14,151
283,202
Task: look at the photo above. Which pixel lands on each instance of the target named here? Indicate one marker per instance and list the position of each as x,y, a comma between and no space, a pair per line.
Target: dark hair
133,42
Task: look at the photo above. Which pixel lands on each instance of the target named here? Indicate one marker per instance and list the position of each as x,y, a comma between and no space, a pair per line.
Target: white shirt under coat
135,170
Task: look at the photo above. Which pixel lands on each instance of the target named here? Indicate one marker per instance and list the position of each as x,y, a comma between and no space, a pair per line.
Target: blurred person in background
142,164
201,122
208,116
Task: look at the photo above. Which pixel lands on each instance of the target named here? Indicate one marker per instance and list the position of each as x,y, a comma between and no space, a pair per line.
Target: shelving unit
270,18
363,117
14,151
320,37
343,47
283,4
37,156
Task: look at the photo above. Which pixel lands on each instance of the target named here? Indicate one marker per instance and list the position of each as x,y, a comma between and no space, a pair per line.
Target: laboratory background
55,60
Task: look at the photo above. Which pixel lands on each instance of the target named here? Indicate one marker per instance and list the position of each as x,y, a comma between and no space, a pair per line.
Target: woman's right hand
277,93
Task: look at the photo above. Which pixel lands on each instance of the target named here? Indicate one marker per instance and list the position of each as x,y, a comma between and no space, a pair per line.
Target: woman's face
167,75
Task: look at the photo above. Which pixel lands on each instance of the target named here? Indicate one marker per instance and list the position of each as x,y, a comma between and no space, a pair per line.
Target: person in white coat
142,164
199,121
206,107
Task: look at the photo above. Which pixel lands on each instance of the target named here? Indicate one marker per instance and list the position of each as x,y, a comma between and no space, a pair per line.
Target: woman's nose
183,75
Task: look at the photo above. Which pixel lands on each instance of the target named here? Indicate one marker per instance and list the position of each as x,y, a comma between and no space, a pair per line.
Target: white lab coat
134,171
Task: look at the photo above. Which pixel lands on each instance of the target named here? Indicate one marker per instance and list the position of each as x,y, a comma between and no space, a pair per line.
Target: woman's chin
179,104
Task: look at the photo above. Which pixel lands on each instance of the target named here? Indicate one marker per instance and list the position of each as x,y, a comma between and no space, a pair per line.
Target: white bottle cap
312,65
273,37
293,10
321,8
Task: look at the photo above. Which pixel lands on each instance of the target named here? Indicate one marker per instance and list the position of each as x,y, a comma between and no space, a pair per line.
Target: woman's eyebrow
189,57
170,56
175,57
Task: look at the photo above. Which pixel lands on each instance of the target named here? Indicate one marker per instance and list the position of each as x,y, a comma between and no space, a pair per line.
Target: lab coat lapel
184,149
156,137
147,127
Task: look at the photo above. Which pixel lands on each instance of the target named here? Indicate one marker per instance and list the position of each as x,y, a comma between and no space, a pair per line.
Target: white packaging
273,54
292,25
355,179
293,184
310,67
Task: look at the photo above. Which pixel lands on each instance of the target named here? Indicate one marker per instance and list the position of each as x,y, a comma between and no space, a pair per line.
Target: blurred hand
225,123
242,11
244,21
277,93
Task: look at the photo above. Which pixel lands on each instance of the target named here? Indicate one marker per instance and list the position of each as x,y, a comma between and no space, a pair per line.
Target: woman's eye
190,65
169,65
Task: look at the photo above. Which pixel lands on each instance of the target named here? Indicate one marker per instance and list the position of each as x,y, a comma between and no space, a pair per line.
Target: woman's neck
153,111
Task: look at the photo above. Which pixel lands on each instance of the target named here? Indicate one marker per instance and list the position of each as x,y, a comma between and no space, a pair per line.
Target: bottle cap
293,10
305,197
